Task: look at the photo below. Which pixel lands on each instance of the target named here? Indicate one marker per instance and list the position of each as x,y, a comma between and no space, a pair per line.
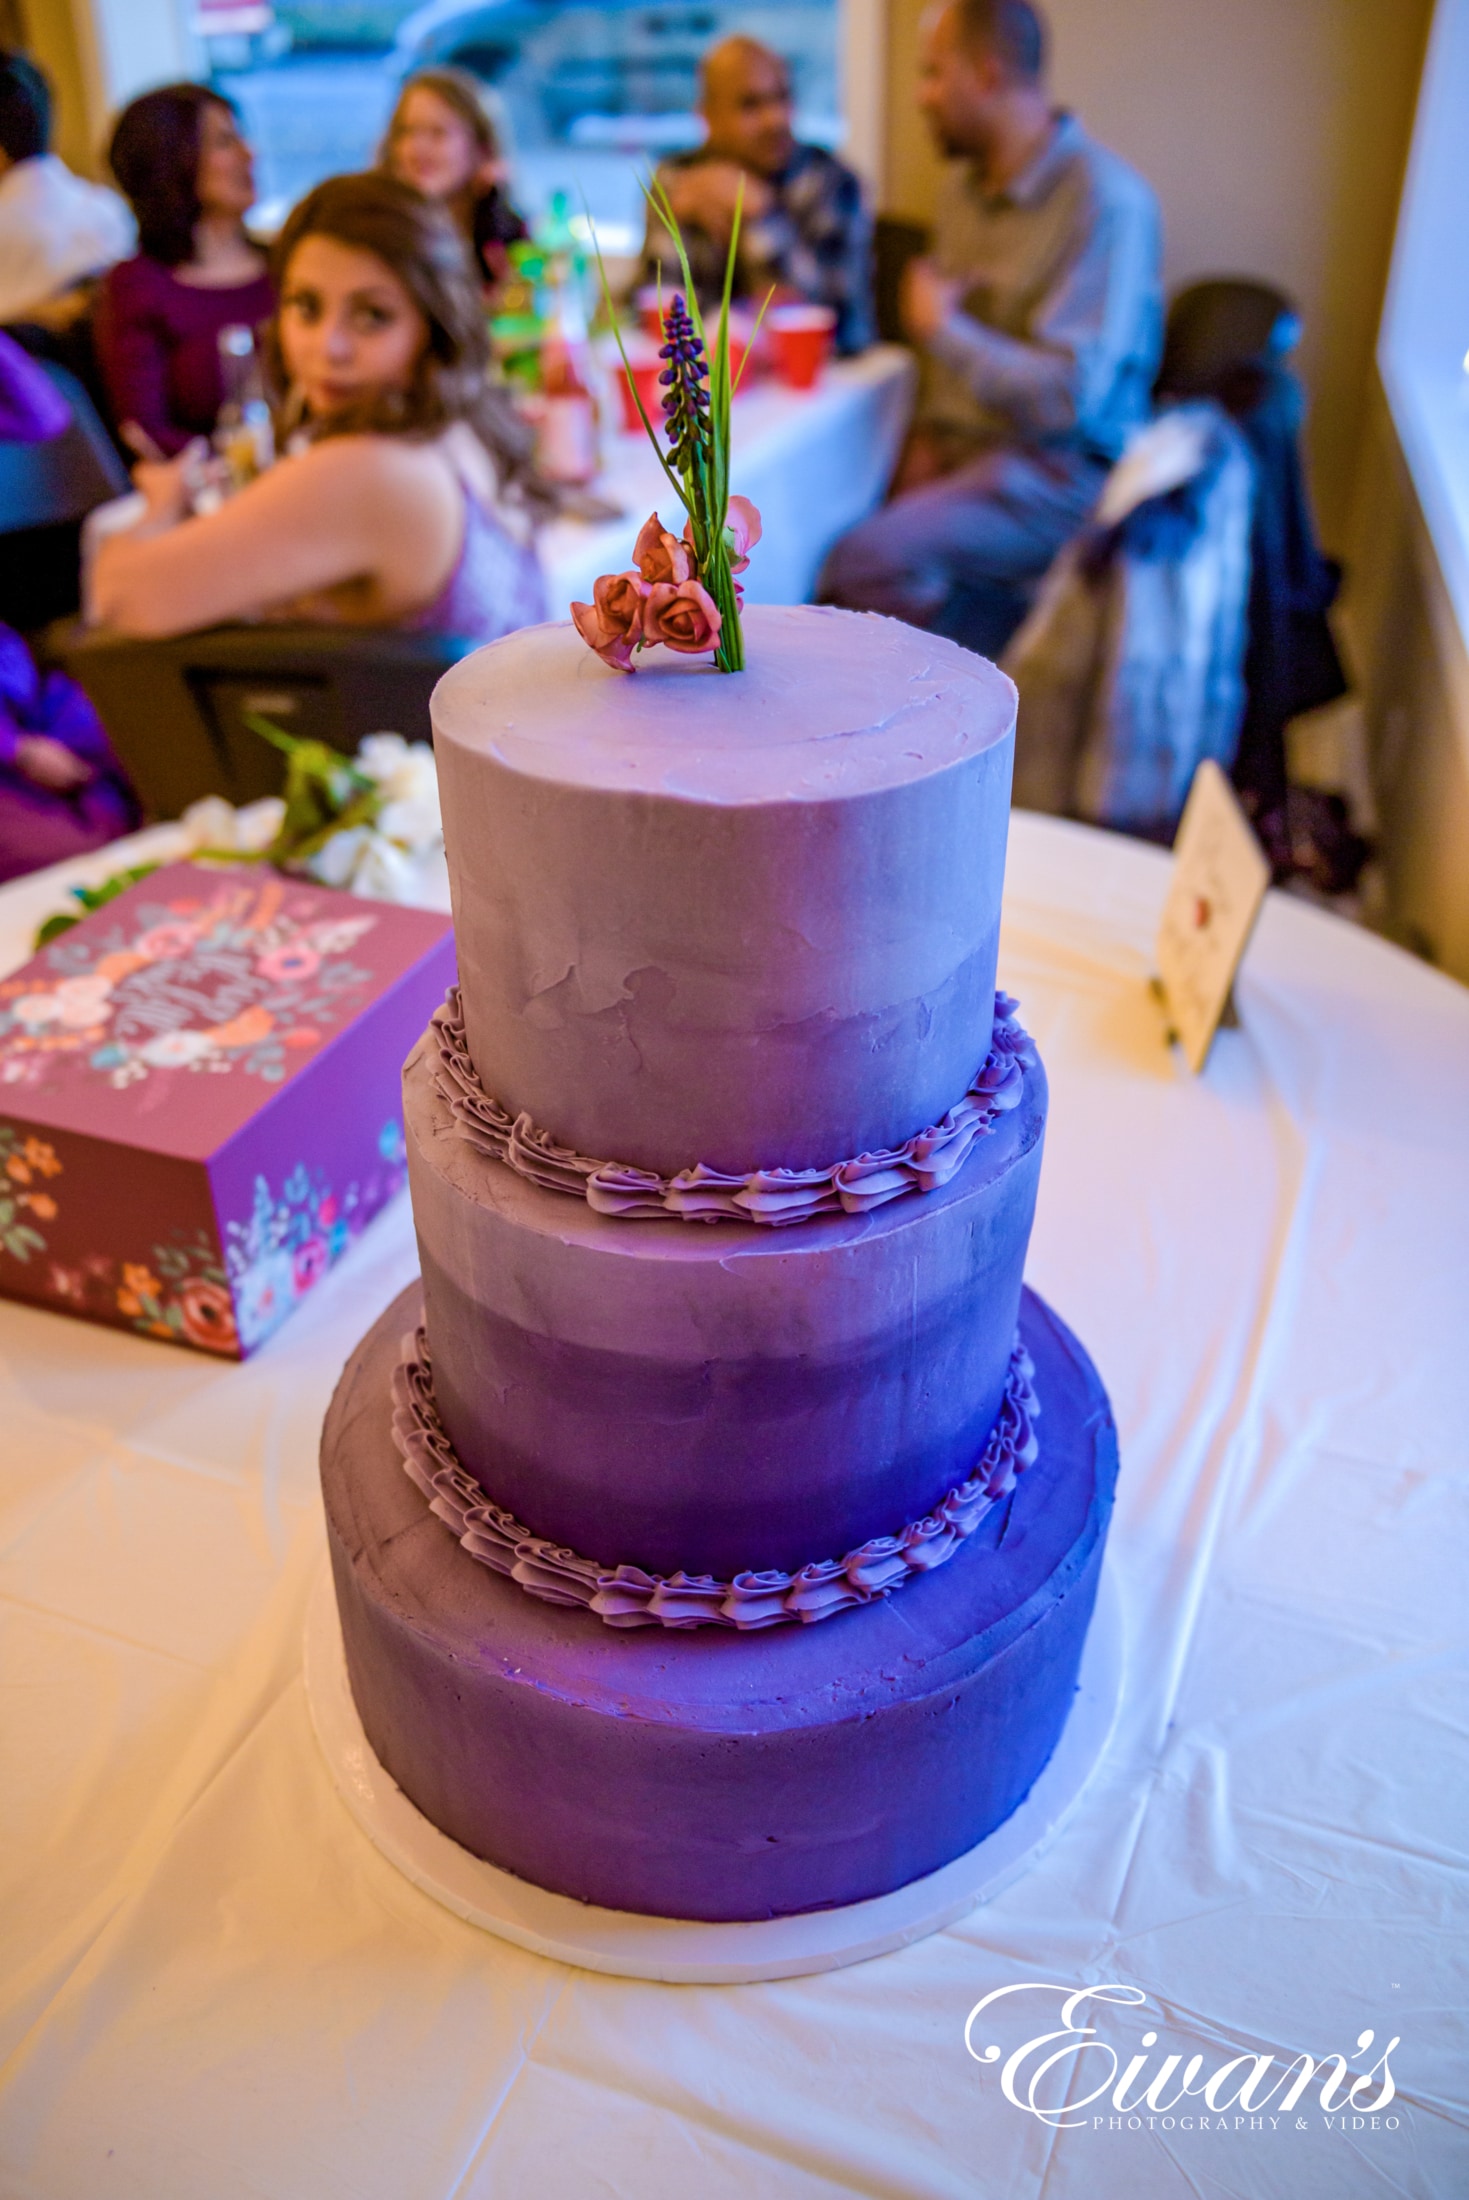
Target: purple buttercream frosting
625,1596
774,1197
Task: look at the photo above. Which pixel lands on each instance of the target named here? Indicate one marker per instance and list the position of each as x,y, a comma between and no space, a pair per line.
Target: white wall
98,54
862,65
139,43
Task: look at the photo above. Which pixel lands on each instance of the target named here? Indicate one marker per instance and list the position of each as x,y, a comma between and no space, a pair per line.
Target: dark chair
175,709
1230,339
46,491
1223,338
894,244
73,346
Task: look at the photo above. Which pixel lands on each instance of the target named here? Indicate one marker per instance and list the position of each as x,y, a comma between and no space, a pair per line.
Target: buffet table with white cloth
813,461
214,1987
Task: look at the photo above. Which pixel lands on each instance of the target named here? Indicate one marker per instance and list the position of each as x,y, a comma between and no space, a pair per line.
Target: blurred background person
409,497
805,230
62,789
1039,318
56,231
189,177
442,140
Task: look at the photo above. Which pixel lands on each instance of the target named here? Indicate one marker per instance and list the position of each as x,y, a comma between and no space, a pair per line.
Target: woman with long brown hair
409,497
441,139
187,173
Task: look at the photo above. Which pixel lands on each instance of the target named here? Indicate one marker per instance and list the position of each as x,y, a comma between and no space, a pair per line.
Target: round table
215,1987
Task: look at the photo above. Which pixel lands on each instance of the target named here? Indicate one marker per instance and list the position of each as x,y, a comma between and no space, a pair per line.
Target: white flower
336,859
380,755
209,824
257,824
413,822
215,823
405,772
177,1049
362,862
383,872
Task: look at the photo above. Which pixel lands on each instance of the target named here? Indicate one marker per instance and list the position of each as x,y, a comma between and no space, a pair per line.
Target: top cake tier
745,919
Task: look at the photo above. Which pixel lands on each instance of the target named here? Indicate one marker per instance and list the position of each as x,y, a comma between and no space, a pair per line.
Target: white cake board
692,1953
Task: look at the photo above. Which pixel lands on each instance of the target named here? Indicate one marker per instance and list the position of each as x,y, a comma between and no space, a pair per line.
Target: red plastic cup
800,341
647,303
649,390
642,357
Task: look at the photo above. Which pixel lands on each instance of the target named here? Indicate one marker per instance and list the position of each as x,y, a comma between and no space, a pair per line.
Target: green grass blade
637,395
707,466
658,199
755,331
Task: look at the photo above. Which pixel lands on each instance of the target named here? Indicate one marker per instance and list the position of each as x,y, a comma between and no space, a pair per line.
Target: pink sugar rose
613,623
742,531
660,556
685,617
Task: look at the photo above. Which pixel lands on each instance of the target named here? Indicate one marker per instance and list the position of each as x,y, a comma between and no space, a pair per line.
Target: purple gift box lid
169,1018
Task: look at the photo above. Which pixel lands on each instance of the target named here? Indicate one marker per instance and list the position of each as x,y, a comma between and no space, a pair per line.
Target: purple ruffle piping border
774,1197
625,1596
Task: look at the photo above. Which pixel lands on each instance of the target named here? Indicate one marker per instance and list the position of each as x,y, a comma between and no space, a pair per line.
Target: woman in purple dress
408,497
179,156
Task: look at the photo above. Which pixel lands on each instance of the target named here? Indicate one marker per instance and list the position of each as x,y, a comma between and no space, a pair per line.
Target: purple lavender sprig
685,400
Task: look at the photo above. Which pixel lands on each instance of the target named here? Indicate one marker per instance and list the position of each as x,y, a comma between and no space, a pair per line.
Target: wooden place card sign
1219,879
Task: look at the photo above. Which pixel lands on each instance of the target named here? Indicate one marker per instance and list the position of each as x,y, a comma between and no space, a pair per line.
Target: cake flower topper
683,592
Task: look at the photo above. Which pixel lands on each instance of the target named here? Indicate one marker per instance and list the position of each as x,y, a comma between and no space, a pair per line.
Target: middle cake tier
716,1398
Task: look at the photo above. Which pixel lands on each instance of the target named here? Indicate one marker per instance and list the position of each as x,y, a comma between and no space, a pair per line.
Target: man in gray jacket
1039,322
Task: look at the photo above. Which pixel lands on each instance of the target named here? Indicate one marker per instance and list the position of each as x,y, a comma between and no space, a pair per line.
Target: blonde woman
442,141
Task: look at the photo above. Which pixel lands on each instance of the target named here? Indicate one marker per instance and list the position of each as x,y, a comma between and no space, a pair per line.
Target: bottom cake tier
711,1773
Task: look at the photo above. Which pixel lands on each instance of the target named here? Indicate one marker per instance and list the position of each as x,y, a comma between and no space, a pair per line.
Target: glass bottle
569,439
243,435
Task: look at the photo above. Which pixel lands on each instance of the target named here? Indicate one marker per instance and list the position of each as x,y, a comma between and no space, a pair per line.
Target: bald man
805,231
1039,323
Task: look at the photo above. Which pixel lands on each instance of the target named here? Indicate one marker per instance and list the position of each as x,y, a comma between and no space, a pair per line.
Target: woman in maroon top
179,157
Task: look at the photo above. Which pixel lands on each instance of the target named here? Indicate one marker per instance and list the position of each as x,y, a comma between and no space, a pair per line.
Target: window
1423,349
590,92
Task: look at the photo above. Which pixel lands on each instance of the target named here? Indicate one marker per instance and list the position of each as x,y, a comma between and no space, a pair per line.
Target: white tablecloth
215,1988
815,462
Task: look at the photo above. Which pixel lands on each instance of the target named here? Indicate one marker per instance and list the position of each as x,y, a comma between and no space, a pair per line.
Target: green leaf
89,898
325,793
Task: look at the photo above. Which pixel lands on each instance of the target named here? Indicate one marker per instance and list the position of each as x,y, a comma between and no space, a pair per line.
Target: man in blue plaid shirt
805,230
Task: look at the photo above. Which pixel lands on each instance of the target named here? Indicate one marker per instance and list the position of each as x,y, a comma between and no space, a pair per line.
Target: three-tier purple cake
716,1532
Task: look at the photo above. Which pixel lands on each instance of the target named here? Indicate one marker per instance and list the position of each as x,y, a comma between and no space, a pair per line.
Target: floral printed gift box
200,1098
